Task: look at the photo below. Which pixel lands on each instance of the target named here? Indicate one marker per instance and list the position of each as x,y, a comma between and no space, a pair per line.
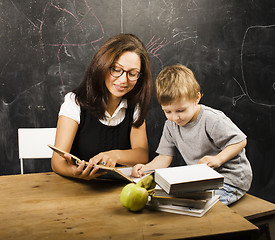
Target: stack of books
188,190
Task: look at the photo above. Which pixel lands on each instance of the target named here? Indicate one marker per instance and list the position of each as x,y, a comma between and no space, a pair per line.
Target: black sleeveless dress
93,137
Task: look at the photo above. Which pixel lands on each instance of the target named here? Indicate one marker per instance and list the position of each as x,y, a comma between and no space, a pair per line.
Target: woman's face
119,86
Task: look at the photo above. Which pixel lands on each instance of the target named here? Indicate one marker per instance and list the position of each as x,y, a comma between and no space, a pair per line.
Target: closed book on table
195,212
198,195
190,178
186,202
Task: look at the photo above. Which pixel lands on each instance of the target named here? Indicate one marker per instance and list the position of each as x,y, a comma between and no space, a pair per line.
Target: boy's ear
198,97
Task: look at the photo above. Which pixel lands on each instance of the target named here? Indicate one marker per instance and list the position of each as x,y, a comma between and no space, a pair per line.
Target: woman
103,120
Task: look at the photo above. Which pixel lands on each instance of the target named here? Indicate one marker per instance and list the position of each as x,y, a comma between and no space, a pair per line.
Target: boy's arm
160,161
228,153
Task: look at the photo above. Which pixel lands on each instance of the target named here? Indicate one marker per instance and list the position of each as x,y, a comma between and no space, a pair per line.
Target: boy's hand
137,170
211,161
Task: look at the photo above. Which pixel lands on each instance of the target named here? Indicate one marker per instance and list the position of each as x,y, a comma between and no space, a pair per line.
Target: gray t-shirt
209,134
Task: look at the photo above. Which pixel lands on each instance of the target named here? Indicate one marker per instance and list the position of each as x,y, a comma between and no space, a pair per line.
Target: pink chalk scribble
76,23
64,42
155,45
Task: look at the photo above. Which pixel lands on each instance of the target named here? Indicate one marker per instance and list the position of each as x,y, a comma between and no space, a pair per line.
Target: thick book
195,212
188,199
121,173
190,178
185,202
198,195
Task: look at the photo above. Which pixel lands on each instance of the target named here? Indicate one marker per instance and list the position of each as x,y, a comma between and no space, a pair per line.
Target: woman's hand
109,158
211,161
80,171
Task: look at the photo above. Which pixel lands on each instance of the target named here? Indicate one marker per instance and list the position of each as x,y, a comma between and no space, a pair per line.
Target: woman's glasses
132,75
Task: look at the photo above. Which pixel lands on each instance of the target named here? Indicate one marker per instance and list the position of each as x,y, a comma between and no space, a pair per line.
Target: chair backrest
32,143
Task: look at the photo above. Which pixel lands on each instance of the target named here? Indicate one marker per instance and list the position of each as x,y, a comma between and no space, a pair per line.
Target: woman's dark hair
92,93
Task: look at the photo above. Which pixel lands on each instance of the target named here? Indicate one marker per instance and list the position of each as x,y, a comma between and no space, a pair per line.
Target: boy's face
182,111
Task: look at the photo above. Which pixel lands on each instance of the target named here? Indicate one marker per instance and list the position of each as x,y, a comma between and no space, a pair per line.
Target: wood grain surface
48,206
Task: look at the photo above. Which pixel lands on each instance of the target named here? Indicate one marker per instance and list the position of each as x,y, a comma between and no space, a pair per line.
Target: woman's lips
120,88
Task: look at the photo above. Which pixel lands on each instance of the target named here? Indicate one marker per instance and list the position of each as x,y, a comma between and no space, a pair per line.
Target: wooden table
259,212
49,206
251,207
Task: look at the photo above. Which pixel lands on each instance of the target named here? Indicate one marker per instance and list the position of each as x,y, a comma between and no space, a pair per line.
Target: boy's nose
175,117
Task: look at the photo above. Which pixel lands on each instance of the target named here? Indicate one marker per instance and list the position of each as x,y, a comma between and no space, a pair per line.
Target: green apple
133,197
147,182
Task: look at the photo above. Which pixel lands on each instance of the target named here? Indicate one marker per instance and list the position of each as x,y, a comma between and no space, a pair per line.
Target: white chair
32,143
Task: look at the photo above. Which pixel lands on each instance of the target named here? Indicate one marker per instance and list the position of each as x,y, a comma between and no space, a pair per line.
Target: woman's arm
137,154
65,134
225,155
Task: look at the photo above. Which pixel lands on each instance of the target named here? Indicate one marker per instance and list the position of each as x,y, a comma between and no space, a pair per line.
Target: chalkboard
229,44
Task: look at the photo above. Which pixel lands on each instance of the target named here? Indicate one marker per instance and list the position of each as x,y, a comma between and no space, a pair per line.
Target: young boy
200,133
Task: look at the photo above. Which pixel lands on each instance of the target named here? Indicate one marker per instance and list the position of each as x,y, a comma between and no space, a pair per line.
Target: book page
127,172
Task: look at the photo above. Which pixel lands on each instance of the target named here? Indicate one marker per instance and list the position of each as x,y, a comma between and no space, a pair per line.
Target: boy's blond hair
175,82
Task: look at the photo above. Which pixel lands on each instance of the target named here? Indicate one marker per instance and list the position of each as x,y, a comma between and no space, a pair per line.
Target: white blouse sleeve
70,108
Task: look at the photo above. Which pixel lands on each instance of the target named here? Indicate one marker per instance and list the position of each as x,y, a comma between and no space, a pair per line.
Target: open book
121,173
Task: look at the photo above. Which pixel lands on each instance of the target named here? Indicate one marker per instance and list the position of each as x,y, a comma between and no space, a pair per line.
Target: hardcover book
121,173
185,202
190,178
198,195
191,211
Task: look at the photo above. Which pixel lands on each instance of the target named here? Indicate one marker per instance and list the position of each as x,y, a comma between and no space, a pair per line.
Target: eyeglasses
132,75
